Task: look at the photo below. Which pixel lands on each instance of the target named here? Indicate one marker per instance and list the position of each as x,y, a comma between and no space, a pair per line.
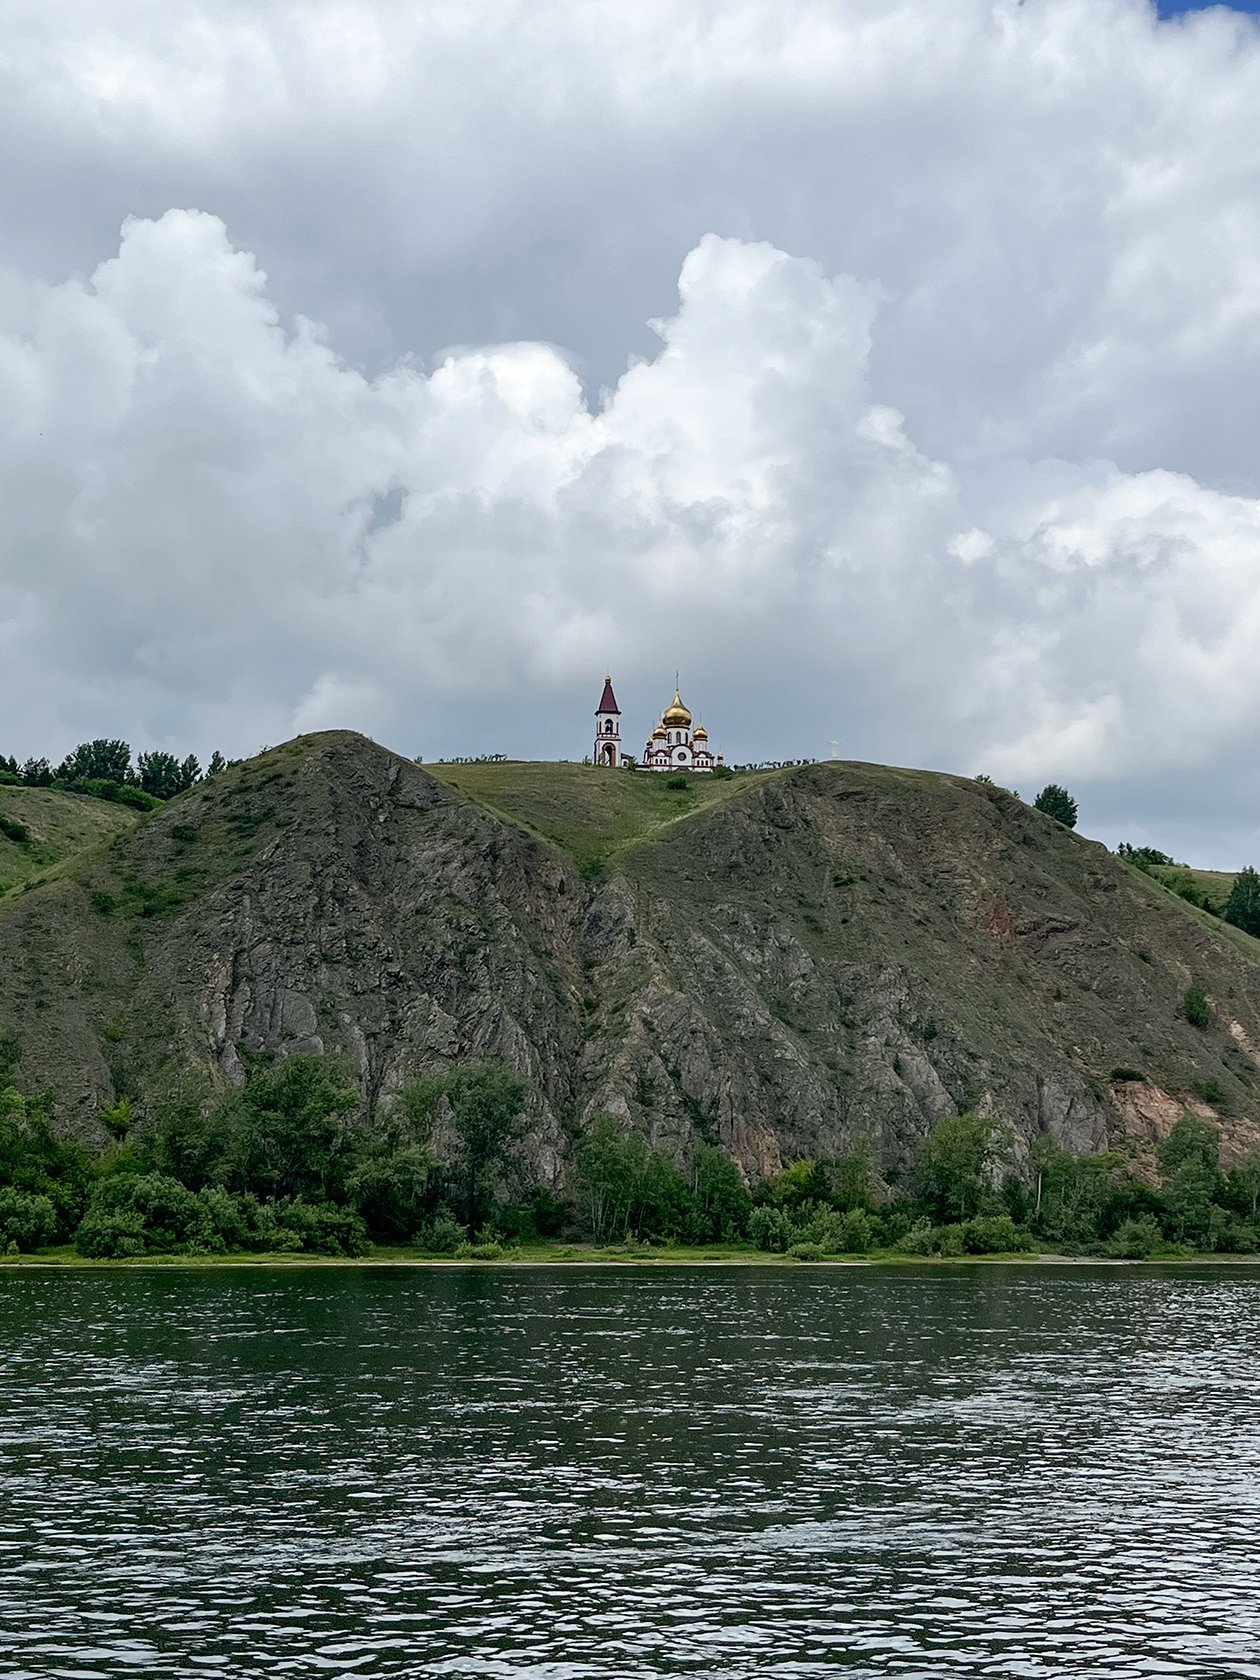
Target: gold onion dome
677,717
701,734
658,734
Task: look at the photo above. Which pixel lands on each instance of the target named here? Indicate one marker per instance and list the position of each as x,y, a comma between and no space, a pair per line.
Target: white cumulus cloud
942,442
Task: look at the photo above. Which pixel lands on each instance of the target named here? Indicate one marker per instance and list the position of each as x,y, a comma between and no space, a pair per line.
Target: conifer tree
1242,907
1058,803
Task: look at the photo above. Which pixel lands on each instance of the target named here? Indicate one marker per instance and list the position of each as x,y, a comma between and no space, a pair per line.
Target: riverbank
569,1255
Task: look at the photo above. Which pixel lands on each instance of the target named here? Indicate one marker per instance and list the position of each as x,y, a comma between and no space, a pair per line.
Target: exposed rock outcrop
826,951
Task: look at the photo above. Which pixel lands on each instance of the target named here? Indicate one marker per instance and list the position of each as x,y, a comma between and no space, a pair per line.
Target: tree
1243,1186
487,1103
1242,907
100,760
1071,1191
216,764
853,1180
1191,1140
954,1165
722,1202
392,1178
1058,803
1189,1162
37,772
289,1132
162,775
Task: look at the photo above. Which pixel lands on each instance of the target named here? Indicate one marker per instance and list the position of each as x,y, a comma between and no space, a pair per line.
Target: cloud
943,443
203,552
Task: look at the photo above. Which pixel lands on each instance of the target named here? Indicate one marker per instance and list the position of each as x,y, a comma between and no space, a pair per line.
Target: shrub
857,1232
1195,1005
320,1227
770,1228
27,1222
479,1251
995,1234
806,1251
1233,1237
133,1213
111,1234
677,783
1058,803
14,830
1142,856
919,1239
1136,1239
135,797
1126,1076
443,1235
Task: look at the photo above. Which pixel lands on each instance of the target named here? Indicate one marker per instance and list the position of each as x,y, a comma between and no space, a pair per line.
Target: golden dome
677,717
658,734
701,733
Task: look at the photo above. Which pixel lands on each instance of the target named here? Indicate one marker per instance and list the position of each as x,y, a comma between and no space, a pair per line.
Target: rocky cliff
775,963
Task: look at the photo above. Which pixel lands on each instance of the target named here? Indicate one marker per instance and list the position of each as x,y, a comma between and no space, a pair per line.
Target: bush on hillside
1195,1006
1142,856
14,830
1058,803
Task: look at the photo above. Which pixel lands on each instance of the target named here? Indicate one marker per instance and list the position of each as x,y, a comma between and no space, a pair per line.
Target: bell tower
607,748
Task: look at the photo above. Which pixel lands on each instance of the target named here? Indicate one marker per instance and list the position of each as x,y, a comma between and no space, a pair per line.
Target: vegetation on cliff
291,1163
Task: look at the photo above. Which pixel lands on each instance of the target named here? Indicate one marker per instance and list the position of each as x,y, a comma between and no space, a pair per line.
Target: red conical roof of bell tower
608,700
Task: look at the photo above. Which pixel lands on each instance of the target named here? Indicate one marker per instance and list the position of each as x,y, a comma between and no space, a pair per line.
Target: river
573,1473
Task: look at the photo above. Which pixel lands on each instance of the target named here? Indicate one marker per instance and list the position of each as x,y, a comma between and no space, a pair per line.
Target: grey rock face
840,950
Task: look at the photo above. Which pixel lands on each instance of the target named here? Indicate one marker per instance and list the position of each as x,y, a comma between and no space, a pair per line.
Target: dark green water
996,1472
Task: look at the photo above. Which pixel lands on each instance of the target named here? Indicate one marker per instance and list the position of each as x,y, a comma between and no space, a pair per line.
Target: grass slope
61,826
1214,884
588,812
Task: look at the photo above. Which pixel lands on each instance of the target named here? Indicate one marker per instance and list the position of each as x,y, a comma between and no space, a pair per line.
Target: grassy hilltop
58,826
774,962
589,813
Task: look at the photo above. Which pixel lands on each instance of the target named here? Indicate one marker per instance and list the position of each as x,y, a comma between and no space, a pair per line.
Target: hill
58,826
774,962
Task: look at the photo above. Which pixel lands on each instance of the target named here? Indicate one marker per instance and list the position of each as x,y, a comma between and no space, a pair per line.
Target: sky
889,370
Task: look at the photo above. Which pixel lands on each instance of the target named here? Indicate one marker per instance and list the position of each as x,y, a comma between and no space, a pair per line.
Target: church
672,745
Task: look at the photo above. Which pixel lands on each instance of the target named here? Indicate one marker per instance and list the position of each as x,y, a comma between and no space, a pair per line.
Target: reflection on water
573,1473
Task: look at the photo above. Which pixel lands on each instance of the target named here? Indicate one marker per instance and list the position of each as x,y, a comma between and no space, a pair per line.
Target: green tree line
103,769
291,1161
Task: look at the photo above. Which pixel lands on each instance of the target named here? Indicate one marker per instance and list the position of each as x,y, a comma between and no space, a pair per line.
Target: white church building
672,745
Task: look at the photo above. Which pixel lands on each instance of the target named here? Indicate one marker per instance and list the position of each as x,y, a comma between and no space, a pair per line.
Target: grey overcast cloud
891,370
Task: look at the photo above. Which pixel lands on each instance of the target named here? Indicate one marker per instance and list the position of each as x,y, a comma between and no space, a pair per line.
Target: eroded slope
775,964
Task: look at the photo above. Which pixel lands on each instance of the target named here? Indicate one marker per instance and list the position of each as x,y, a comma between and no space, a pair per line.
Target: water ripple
548,1474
